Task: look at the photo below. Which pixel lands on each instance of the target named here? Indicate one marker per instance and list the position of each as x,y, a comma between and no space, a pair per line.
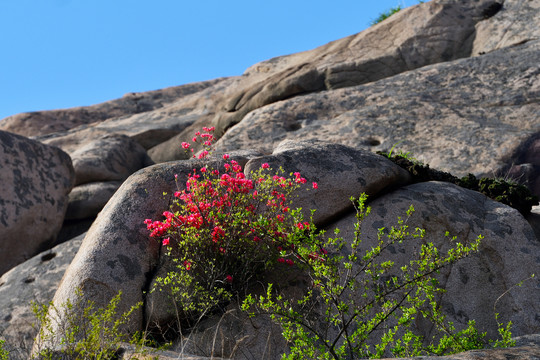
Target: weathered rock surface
35,280
508,254
339,171
507,23
478,110
415,37
36,180
110,158
46,122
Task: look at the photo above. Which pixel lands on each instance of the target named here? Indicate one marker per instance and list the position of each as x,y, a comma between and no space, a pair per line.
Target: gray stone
463,116
482,284
36,180
516,22
87,200
341,172
35,280
110,158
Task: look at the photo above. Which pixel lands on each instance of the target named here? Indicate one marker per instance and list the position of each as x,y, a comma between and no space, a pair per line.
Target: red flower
165,241
229,279
315,185
226,156
185,145
265,166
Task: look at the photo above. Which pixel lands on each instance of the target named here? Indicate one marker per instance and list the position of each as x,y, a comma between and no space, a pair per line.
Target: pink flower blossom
185,145
229,279
315,185
265,166
165,241
203,154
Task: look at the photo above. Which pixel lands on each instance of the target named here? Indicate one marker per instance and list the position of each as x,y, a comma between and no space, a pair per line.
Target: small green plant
82,331
401,154
385,15
4,354
360,305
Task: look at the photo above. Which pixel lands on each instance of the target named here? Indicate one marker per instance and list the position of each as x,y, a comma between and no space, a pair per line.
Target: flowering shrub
225,229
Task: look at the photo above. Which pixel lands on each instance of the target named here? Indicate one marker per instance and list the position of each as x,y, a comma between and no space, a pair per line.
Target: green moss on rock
512,194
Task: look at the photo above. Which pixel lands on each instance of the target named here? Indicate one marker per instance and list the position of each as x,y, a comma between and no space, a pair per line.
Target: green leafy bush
360,305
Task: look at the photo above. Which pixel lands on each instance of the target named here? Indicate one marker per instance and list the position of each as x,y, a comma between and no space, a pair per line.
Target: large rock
433,32
482,284
341,172
34,281
36,180
110,158
117,253
463,116
46,122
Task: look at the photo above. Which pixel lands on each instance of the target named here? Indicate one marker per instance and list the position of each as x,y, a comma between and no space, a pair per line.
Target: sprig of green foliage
80,330
4,354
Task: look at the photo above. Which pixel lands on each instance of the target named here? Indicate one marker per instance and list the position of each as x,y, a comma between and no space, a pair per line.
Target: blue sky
65,53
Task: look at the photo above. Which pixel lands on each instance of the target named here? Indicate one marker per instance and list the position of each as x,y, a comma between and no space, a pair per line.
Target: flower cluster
225,228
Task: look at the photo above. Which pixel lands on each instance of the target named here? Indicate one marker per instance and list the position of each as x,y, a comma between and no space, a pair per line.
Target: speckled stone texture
35,182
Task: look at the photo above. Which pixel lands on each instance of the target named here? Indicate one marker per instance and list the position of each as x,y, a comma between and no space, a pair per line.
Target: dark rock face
36,180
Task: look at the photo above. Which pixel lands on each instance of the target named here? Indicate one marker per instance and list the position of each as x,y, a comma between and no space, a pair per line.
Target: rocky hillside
454,82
